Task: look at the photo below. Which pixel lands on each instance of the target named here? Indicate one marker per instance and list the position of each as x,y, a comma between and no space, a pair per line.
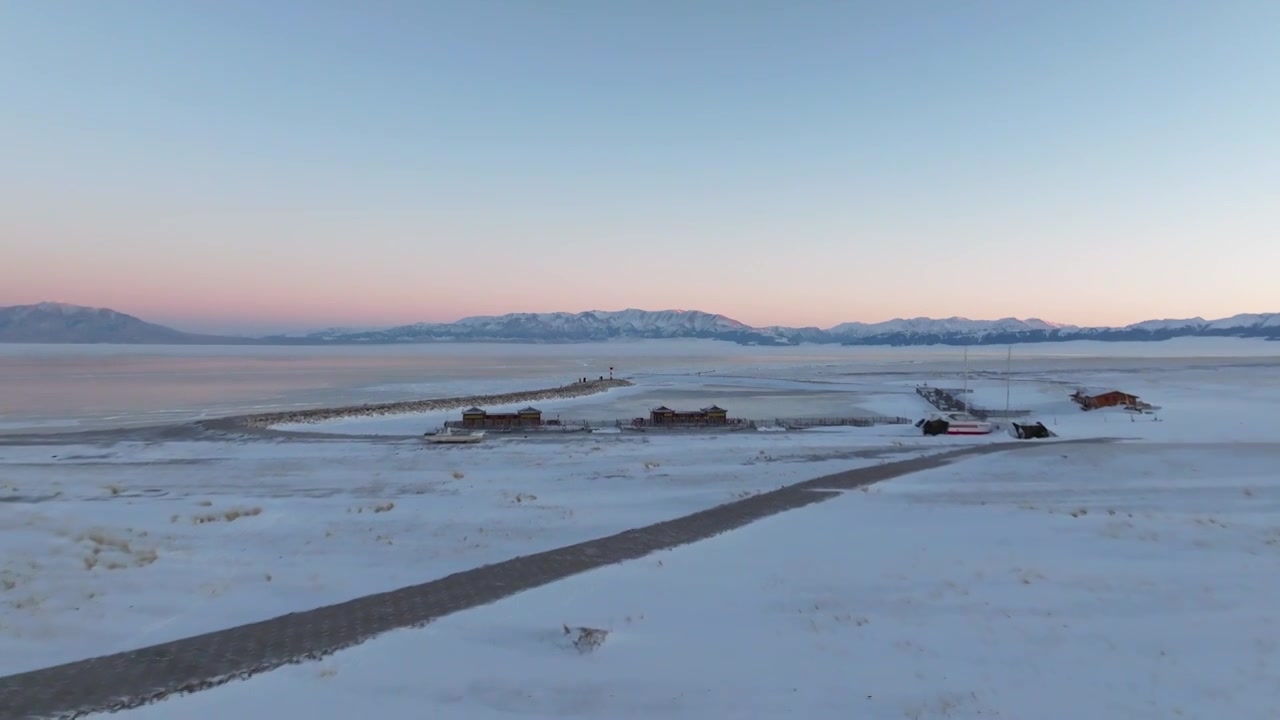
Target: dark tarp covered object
935,427
1031,432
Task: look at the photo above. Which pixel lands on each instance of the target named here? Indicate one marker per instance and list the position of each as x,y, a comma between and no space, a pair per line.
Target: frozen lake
79,387
1049,553
1126,574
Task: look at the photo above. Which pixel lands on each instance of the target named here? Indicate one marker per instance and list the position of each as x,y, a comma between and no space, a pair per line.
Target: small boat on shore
954,423
957,423
961,424
448,437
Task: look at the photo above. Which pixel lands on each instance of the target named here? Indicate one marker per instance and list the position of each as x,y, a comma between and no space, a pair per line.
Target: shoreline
405,407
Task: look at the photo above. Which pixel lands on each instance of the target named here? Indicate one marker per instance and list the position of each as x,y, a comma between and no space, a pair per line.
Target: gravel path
294,417
138,677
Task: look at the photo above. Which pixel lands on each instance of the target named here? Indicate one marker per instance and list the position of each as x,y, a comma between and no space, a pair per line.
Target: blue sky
273,164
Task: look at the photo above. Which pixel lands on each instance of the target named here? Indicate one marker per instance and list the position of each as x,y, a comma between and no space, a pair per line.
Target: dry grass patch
586,639
114,553
384,507
101,540
228,515
458,475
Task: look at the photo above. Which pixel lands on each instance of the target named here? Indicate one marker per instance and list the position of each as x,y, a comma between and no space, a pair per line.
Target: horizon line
357,327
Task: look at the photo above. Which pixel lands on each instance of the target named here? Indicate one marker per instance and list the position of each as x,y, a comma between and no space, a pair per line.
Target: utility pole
1008,365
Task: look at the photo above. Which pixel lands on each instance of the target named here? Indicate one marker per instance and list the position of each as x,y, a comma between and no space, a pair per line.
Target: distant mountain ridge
60,323
599,325
52,322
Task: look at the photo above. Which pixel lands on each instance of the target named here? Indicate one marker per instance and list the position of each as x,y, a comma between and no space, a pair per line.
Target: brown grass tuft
588,639
228,516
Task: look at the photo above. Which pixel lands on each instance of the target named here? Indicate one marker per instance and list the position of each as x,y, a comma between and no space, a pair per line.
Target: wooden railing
945,400
645,424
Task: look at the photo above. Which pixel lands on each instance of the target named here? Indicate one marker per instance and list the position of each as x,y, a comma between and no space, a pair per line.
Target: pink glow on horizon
297,168
214,286
278,309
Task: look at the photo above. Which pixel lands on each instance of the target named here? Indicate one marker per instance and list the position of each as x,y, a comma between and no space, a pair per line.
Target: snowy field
110,548
1116,582
1132,579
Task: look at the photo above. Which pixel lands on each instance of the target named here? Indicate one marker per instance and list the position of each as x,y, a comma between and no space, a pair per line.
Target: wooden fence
861,421
645,425
946,400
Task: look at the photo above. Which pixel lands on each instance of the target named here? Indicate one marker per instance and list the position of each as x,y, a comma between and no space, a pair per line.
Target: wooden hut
715,415
1094,398
530,417
662,415
477,418
473,417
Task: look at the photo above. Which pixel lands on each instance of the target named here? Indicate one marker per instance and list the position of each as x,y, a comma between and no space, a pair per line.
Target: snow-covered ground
1133,579
110,548
1124,581
1207,397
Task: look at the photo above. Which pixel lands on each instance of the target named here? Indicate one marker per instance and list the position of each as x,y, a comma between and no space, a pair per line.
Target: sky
224,165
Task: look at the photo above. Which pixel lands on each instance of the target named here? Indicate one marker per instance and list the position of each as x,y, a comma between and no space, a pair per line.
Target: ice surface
1128,580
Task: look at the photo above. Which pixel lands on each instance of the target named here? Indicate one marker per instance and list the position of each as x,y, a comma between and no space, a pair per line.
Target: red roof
1099,392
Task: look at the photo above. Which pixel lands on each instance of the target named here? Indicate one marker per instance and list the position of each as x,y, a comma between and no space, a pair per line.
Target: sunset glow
249,166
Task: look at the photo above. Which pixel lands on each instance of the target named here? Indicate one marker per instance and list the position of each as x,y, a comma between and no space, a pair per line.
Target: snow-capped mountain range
566,327
51,322
60,323
599,325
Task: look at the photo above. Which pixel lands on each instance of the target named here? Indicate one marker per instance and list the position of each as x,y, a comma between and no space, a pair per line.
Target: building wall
501,421
1112,399
689,418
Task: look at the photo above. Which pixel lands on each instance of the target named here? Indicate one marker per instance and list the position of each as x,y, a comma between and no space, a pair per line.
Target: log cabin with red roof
1095,398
